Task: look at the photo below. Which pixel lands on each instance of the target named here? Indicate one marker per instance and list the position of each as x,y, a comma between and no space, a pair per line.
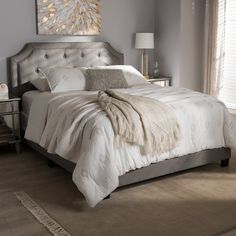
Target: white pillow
41,84
62,79
132,76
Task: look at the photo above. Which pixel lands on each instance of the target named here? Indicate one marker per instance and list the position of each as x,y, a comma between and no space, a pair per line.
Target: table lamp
144,41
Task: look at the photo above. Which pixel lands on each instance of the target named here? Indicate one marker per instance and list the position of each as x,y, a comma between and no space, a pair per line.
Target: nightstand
162,81
10,122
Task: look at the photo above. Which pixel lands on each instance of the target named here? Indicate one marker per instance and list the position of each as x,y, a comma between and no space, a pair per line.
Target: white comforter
73,126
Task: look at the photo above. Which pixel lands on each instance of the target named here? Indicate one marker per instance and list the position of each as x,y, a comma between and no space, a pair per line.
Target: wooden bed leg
107,197
51,164
224,163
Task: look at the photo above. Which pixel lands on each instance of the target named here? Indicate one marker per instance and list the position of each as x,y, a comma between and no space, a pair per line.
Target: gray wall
179,41
167,31
120,19
191,57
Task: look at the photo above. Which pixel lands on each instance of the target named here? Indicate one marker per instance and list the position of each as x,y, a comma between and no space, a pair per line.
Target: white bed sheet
27,100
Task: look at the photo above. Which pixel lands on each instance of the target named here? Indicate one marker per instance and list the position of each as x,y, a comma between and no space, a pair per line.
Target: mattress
27,100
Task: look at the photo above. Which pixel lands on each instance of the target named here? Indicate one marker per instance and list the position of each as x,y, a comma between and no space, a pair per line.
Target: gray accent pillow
41,84
133,77
102,79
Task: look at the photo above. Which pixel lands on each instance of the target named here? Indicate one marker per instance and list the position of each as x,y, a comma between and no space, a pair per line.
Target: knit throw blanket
142,121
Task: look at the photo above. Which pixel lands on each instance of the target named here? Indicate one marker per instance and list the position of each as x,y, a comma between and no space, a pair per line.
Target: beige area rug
197,202
53,227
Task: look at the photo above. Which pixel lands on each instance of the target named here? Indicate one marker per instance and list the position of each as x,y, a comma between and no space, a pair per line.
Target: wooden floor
196,202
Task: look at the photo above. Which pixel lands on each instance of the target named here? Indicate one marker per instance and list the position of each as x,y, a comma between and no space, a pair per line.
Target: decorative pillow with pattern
132,76
102,79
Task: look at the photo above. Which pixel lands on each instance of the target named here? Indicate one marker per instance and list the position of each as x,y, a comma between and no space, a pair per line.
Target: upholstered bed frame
24,67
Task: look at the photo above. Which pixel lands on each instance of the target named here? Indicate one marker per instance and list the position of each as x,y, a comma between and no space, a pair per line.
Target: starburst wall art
68,17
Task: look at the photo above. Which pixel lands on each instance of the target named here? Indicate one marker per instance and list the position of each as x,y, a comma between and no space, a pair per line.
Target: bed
24,67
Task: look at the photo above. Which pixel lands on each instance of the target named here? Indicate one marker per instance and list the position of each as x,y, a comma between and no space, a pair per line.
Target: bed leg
51,164
107,197
224,163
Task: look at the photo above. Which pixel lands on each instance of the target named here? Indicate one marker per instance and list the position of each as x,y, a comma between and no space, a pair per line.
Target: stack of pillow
62,79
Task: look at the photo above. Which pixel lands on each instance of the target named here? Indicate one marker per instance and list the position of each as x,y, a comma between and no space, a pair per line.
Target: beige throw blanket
142,121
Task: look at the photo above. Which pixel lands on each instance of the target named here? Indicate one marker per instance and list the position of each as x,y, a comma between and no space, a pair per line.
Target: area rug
53,227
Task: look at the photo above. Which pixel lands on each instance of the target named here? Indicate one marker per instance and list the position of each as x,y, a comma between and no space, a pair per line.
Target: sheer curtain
214,46
228,88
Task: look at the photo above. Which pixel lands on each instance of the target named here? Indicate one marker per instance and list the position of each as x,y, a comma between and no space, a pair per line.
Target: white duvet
73,126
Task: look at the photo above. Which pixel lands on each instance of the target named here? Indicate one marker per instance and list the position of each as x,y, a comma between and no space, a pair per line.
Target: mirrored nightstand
10,122
162,81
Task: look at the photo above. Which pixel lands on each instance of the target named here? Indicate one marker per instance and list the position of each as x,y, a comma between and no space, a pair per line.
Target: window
228,85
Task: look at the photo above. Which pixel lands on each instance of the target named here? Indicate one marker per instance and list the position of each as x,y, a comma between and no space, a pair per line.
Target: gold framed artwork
68,17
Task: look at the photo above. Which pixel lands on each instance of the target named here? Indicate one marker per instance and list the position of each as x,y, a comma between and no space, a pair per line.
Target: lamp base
145,65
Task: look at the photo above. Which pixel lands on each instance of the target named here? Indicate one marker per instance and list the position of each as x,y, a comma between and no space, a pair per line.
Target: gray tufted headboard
24,66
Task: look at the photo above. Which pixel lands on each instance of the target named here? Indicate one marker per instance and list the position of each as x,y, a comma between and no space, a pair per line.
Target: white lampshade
144,40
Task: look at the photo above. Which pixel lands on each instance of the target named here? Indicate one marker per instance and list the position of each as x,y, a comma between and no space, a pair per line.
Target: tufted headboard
24,66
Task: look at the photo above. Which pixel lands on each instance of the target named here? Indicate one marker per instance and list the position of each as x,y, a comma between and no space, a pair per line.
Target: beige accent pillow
62,79
102,79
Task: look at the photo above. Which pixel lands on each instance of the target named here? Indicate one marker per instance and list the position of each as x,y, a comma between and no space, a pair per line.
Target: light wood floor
196,202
